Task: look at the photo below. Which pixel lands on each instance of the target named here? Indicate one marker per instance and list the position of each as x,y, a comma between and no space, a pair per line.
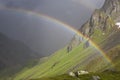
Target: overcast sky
42,35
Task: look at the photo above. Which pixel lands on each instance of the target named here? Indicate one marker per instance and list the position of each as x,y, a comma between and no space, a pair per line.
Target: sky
42,35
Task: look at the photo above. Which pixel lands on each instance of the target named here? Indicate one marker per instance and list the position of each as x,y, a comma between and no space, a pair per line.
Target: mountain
14,54
103,21
101,28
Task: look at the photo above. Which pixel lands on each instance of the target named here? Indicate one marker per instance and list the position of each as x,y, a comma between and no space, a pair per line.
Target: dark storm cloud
73,12
41,35
25,4
44,36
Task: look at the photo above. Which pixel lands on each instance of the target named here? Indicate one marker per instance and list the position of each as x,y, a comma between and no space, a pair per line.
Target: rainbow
64,25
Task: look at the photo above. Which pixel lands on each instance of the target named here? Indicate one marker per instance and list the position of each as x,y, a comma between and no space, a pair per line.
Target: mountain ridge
101,29
14,54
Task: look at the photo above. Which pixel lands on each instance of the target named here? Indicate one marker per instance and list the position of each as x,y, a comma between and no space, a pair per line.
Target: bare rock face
103,19
102,22
76,40
111,6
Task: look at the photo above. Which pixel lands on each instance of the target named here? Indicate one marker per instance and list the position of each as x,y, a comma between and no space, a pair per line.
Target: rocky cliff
101,28
101,25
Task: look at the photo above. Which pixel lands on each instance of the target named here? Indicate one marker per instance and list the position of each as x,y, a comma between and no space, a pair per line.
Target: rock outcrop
103,19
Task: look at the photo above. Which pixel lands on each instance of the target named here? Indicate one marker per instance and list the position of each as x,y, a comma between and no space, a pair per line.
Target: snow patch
118,25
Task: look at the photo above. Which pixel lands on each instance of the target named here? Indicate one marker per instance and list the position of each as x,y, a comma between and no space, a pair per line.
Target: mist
41,35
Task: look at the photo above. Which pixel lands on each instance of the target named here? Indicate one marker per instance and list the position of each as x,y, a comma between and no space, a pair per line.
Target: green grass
58,63
98,36
103,76
79,58
62,62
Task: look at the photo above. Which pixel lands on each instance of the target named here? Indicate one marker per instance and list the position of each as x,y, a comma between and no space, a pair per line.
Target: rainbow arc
64,25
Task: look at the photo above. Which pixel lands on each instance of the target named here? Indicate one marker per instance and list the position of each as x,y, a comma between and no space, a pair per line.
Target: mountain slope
13,54
101,29
102,76
59,63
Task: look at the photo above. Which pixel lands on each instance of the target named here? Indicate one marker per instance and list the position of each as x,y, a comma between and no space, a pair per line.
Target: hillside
79,55
102,30
13,55
103,76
